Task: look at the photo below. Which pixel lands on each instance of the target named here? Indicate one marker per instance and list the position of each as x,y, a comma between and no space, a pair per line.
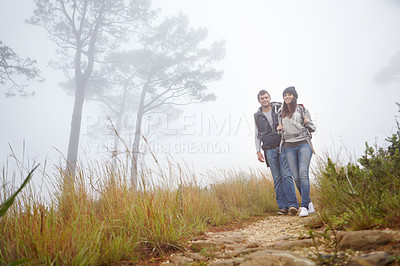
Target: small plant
7,204
328,240
395,259
208,252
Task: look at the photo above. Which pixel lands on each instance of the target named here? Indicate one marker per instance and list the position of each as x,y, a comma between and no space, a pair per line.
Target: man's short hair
262,92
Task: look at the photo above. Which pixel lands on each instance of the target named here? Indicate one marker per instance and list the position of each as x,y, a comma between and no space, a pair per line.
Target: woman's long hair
288,109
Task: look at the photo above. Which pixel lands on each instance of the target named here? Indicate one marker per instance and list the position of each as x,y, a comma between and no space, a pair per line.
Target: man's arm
258,145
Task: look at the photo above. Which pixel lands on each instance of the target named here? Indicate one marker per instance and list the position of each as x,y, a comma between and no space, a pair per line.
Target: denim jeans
283,181
299,158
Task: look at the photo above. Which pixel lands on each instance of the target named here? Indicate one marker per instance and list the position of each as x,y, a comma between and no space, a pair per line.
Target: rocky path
271,229
285,240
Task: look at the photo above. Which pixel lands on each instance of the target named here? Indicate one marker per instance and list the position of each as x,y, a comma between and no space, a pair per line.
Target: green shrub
366,195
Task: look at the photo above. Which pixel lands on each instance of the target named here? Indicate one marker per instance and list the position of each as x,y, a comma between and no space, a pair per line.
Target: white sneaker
303,212
311,208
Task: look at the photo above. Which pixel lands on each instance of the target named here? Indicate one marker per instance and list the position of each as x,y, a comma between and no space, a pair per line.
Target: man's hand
260,157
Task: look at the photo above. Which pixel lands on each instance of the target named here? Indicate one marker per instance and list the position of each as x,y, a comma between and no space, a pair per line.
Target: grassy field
101,220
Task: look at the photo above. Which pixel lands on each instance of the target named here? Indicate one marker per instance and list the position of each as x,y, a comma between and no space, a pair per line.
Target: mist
340,56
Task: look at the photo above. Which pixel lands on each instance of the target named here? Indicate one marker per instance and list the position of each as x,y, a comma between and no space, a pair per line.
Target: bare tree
83,31
12,67
114,89
172,69
122,82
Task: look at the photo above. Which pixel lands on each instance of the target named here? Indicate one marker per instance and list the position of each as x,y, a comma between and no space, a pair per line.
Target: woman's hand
280,127
306,120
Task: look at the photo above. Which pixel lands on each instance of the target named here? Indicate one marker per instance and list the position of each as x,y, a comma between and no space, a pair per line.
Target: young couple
284,131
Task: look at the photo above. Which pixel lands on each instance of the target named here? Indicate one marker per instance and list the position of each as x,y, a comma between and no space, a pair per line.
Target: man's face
264,100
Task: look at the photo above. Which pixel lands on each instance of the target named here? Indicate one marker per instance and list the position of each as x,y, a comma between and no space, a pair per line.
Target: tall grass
100,219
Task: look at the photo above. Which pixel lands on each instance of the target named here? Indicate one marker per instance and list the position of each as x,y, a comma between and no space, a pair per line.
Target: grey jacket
294,129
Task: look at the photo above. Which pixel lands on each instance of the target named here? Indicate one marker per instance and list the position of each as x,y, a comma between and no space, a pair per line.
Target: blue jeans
299,158
283,181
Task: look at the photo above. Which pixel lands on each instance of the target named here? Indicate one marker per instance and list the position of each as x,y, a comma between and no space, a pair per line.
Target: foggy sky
329,50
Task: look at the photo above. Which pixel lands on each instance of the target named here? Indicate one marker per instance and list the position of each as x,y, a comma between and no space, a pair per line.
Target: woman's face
288,98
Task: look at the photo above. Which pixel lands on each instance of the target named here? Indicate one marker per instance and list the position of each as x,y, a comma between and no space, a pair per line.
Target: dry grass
102,220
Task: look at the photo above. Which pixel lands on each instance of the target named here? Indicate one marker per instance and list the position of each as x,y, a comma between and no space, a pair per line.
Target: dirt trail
285,240
229,245
269,230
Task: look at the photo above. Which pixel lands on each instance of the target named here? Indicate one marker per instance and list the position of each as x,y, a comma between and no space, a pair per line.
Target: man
266,122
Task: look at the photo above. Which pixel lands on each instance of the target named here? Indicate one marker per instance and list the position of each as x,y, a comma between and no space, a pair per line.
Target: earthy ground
268,230
285,239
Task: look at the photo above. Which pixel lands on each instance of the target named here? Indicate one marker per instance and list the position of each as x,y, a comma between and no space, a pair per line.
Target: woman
296,126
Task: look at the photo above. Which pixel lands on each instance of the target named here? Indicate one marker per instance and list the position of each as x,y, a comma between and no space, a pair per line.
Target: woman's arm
308,123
